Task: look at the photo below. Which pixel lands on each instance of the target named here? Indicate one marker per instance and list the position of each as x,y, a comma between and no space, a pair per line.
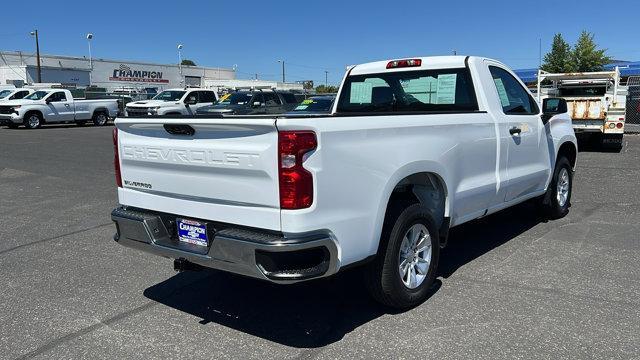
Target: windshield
38,95
235,99
5,93
409,91
315,105
169,95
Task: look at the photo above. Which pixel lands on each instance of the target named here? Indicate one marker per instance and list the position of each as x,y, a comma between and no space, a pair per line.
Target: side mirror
190,101
551,107
48,100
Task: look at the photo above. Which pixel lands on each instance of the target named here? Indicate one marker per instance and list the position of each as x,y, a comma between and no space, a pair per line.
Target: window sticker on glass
301,107
422,89
502,92
446,88
307,102
361,92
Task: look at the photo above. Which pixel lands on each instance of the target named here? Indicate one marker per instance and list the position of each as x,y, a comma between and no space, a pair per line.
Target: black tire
30,121
611,142
100,118
382,275
550,204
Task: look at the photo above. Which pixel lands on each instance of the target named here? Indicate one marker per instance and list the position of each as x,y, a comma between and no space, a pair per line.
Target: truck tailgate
225,171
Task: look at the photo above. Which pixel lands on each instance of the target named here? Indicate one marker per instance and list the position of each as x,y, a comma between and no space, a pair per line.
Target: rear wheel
100,119
32,121
404,270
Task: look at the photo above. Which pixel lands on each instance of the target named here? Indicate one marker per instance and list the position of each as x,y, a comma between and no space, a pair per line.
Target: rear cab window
442,90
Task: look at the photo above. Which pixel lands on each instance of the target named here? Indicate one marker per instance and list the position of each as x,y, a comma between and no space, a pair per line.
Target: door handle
67,105
515,131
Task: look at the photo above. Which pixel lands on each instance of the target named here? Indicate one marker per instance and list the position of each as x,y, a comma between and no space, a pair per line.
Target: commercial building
20,69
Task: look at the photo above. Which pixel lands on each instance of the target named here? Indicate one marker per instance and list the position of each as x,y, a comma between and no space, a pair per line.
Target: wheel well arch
38,112
99,110
568,150
427,188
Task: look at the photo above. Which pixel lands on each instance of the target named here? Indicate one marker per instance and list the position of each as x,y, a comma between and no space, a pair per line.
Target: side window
19,95
257,98
192,97
207,97
271,99
289,98
515,100
58,97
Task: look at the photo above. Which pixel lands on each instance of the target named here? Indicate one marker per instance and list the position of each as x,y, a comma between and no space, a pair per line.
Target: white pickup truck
411,148
14,94
55,106
173,102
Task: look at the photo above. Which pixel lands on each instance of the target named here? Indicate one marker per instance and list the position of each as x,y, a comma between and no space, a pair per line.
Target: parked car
252,103
14,94
55,106
412,148
314,105
173,102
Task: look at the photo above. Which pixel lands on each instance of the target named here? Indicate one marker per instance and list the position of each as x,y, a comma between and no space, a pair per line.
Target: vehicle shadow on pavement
320,312
476,238
307,315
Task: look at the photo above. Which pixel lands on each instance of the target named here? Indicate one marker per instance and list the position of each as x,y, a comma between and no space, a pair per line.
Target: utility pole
326,78
539,53
35,33
282,61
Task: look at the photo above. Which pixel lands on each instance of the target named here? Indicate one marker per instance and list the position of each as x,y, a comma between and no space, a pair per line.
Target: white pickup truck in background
55,106
411,148
14,94
173,102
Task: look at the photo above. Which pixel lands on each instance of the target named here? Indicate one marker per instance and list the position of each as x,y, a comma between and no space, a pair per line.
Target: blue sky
314,36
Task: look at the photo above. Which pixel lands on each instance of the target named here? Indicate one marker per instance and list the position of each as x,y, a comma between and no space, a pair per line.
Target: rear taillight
296,183
116,158
404,63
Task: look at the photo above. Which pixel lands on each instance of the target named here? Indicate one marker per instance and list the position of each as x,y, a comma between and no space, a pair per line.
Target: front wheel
32,121
556,202
404,270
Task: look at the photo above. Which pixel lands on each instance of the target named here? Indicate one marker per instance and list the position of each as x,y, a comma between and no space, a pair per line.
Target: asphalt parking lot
511,286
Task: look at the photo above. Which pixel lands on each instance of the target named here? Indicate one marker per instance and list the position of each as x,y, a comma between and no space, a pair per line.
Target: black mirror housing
553,106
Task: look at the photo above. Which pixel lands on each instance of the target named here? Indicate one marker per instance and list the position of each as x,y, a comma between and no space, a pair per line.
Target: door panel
520,123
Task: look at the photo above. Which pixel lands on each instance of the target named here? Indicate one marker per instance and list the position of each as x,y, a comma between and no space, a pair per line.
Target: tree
586,56
559,59
321,89
187,62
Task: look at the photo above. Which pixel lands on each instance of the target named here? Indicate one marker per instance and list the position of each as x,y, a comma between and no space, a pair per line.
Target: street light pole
35,33
180,63
89,38
282,61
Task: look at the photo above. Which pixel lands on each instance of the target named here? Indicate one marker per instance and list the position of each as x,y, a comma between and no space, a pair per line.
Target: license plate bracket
192,232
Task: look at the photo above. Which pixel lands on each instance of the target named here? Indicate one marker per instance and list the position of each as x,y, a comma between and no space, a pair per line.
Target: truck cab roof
425,63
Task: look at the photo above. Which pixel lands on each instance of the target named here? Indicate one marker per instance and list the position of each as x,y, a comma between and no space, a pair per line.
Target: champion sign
124,73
